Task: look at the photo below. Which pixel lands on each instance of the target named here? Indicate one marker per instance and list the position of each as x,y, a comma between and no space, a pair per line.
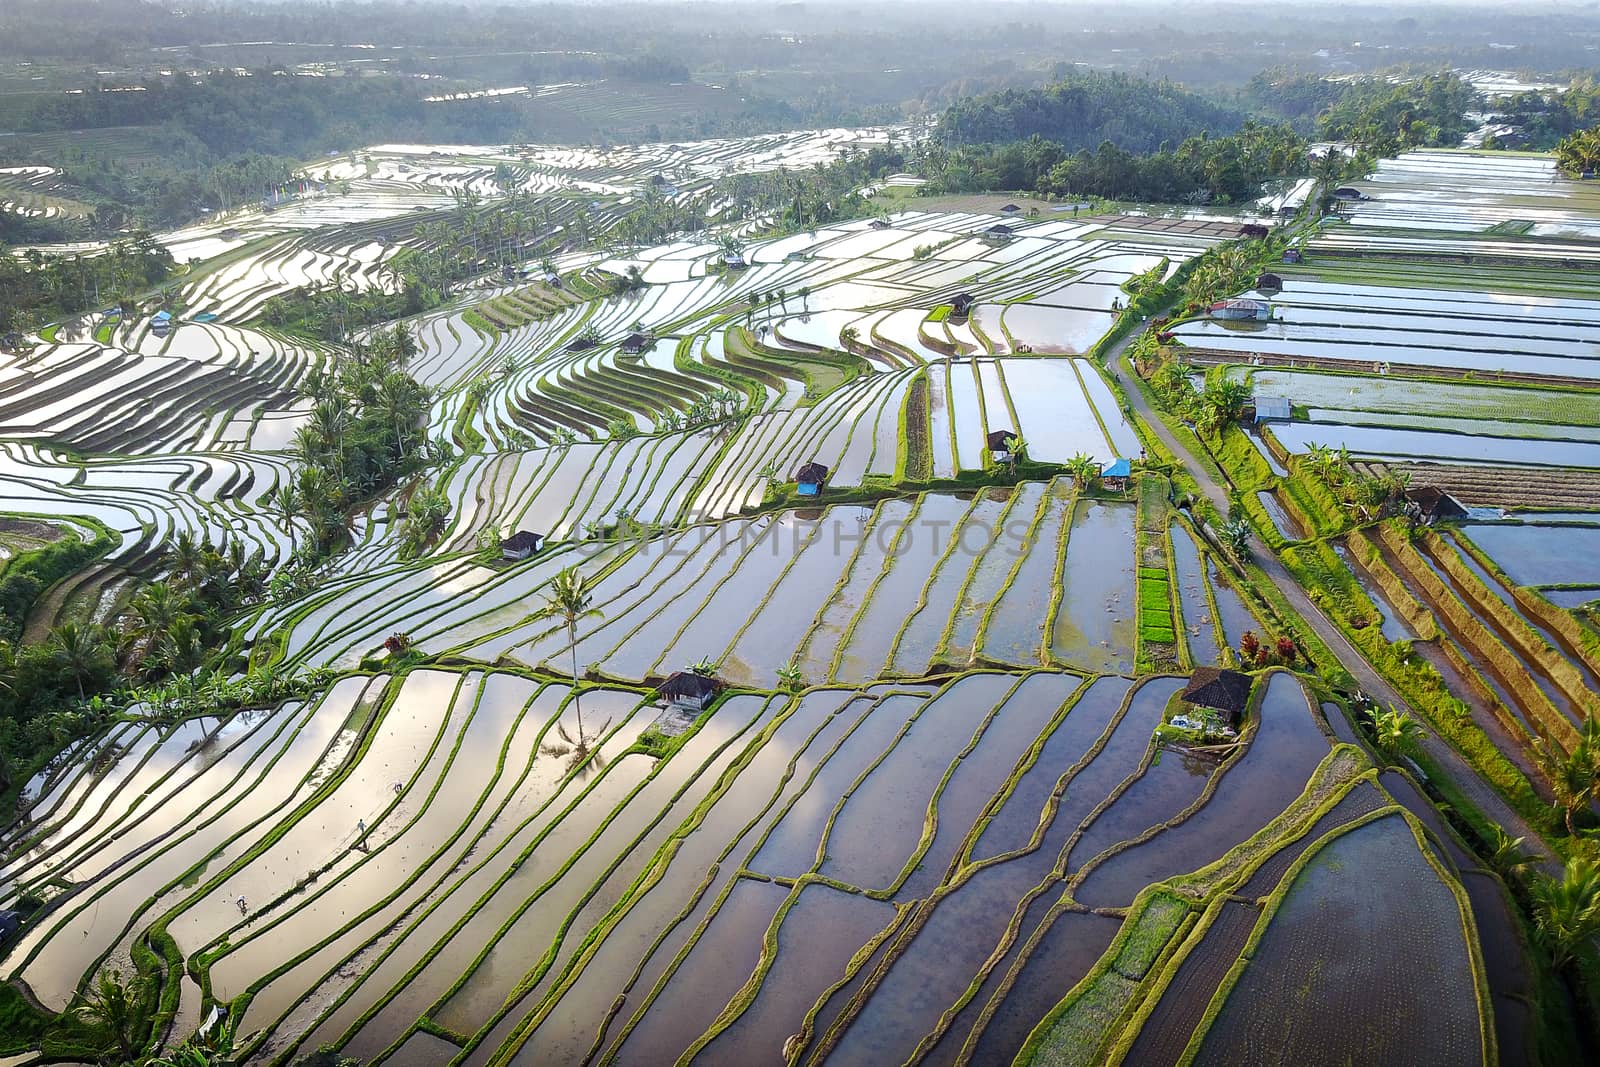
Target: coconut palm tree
1506,855
1572,775
152,613
113,1010
571,597
1566,912
186,555
81,651
182,647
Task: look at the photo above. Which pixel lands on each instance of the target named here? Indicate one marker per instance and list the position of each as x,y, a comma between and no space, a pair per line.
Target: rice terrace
1062,567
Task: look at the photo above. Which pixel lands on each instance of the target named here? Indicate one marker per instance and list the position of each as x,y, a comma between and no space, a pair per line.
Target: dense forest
1544,119
1200,170
39,288
1085,109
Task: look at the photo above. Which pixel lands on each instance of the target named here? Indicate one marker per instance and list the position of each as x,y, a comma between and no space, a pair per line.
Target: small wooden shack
1429,504
810,478
520,545
1219,689
689,690
999,442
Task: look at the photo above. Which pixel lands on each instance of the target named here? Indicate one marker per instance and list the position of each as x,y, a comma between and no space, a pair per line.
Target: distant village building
520,545
161,323
960,308
879,224
1219,689
1253,231
1430,505
581,344
1269,283
1011,209
1114,476
689,690
811,478
998,232
1292,255
635,343
734,261
1349,194
10,923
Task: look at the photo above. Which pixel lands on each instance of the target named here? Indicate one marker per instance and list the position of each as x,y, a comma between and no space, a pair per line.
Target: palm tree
1506,855
186,554
80,650
113,1009
1566,913
571,597
182,647
1395,731
153,612
1572,776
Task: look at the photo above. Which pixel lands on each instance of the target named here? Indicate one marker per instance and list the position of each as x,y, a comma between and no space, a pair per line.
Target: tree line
1383,115
36,287
1200,170
1086,109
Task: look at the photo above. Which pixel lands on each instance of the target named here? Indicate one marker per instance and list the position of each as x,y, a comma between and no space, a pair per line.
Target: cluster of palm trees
1367,496
719,406
806,198
365,432
779,296
1579,153
71,683
1225,270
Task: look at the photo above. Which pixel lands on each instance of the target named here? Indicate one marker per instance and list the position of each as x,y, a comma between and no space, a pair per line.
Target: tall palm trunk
577,700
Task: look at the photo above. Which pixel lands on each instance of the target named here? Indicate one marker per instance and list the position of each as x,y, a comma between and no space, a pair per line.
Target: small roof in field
1218,688
1122,468
997,440
522,541
1273,407
1435,503
690,685
812,473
